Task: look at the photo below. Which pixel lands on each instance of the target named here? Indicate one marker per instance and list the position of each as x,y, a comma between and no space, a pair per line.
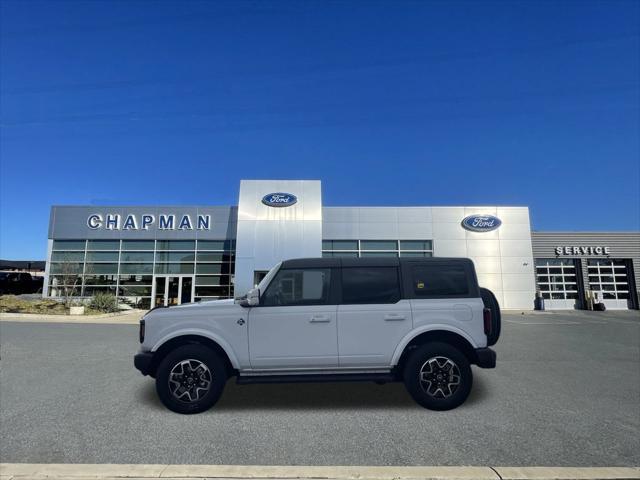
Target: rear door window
362,285
439,280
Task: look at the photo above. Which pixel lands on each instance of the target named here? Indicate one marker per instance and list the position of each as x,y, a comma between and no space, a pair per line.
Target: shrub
104,302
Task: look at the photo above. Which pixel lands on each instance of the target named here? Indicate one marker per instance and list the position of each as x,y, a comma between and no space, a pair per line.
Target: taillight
141,331
486,315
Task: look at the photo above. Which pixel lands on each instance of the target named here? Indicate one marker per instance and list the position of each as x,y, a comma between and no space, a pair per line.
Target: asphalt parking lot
566,392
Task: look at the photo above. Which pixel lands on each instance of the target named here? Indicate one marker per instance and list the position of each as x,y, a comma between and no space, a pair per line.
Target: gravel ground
566,392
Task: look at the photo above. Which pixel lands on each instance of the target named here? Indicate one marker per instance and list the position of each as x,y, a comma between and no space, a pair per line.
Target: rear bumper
142,361
486,358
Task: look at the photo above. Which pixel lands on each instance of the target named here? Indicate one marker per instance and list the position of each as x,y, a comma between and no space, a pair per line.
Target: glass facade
377,248
131,269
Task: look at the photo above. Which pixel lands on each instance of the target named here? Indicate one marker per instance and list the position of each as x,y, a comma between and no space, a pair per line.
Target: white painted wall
266,235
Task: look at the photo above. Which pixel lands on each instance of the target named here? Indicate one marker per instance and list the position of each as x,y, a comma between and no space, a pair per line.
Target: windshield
265,281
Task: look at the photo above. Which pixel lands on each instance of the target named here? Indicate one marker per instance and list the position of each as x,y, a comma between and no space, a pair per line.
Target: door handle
320,319
394,317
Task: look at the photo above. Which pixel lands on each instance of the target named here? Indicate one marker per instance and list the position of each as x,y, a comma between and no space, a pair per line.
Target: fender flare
428,328
200,333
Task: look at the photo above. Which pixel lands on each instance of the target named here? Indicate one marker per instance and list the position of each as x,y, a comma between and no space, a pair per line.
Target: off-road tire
217,376
417,365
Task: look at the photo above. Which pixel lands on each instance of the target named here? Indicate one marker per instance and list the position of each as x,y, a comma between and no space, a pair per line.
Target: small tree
70,271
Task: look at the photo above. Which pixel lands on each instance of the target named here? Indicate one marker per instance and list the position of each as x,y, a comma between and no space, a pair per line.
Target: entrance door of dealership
172,290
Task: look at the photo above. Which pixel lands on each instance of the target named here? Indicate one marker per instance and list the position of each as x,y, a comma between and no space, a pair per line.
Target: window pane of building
91,291
100,279
416,245
213,280
66,268
68,244
213,268
378,245
212,291
102,256
136,279
415,254
139,268
67,256
138,244
344,245
174,268
176,245
215,245
175,256
369,285
141,257
379,254
98,268
65,280
103,245
213,257
134,291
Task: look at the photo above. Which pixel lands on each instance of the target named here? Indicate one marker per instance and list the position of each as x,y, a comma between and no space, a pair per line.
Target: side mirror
253,297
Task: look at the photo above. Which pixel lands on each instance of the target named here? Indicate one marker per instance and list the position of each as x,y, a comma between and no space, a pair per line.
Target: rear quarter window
439,280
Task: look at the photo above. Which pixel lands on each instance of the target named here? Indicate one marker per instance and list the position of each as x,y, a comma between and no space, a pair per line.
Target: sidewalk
20,471
128,317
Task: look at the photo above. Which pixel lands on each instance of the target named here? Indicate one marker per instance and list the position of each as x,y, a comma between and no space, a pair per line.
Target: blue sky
388,103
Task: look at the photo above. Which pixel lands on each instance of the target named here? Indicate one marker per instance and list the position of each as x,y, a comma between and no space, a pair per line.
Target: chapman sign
589,250
144,222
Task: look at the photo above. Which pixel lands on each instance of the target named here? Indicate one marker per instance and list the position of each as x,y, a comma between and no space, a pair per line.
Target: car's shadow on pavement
312,396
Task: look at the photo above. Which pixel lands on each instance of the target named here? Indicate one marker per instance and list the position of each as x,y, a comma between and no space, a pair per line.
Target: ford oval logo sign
279,199
481,223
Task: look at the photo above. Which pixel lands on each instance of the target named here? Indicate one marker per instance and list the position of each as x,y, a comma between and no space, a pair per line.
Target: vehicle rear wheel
190,379
438,376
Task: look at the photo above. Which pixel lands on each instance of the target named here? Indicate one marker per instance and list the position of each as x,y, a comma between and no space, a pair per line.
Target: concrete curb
129,317
24,471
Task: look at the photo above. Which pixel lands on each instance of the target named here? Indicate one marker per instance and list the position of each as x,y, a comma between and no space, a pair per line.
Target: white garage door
557,282
609,279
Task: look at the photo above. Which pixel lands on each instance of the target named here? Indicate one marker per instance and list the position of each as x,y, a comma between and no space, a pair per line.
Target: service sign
279,199
583,250
481,223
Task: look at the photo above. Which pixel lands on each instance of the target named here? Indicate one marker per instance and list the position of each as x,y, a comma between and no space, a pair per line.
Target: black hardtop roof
366,262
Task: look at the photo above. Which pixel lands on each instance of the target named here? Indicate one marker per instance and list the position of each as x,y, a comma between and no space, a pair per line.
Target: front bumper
142,361
486,358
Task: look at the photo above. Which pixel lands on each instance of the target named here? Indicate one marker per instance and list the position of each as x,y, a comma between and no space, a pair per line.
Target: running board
316,378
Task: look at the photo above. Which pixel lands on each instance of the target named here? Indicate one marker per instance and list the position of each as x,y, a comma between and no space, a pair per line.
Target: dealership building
165,255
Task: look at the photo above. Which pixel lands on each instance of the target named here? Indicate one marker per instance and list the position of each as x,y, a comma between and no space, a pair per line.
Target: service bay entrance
172,290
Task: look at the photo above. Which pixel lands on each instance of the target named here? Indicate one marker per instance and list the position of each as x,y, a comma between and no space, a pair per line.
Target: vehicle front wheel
190,379
438,376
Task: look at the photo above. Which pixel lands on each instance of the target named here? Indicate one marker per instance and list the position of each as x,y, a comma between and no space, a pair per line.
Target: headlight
141,331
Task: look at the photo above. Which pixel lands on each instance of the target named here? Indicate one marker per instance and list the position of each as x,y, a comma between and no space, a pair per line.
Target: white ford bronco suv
423,321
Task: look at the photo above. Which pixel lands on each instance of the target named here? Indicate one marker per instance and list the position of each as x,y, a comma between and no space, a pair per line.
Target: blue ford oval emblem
481,223
279,199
